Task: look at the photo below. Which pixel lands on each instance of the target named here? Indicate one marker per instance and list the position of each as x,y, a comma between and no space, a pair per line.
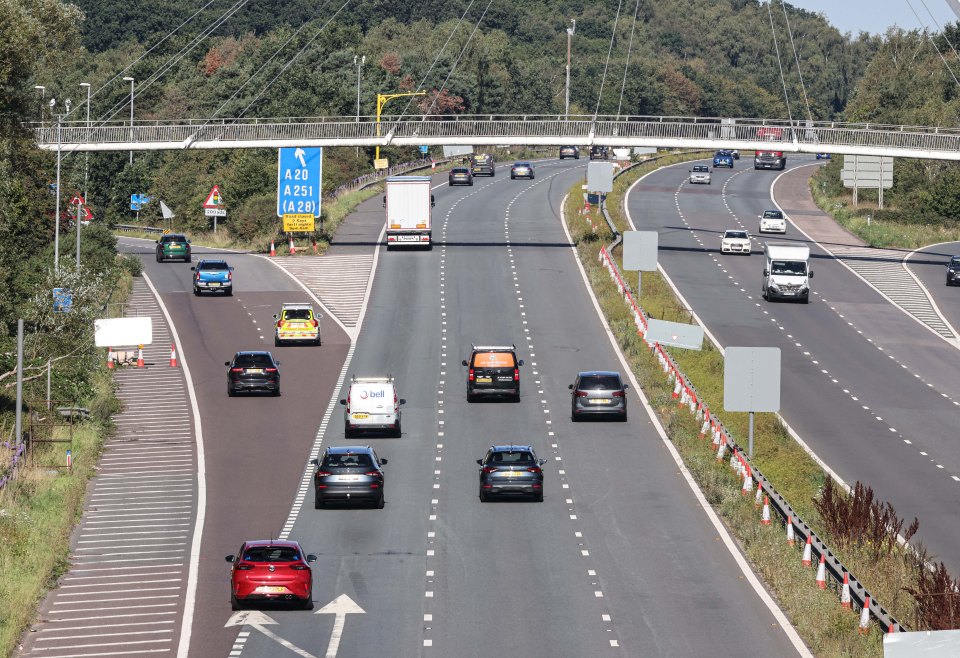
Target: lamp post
359,64
131,81
570,31
383,99
43,98
86,174
56,230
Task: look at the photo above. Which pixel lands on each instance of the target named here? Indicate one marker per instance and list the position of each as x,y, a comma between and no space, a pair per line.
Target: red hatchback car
271,571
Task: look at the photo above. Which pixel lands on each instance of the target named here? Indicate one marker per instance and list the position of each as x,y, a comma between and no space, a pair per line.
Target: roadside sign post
751,382
214,207
640,253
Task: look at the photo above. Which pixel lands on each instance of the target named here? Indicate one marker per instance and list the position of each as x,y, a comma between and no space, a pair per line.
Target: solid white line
123,598
132,652
64,620
728,541
92,635
94,626
104,644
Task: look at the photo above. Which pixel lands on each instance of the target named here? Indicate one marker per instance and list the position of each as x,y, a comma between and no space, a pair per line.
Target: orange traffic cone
845,592
721,450
173,356
891,629
705,427
314,246
807,558
791,537
822,572
747,482
293,250
865,617
676,389
759,497
273,249
140,357
110,358
765,515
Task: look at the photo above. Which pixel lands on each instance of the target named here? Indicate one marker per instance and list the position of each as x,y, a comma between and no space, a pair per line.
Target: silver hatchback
598,393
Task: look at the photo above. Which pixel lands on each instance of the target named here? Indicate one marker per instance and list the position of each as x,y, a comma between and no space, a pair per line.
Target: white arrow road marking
258,620
298,154
341,606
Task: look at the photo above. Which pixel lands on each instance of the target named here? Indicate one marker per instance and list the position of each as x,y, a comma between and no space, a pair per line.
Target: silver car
598,393
700,174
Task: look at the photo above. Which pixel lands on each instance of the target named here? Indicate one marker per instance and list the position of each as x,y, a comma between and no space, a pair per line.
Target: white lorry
786,272
409,206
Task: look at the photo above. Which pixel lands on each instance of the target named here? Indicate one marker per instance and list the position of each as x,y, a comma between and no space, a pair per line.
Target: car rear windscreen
599,383
213,266
493,360
296,314
508,458
271,554
347,461
253,361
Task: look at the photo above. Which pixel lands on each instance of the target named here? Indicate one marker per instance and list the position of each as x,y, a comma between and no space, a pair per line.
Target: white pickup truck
409,208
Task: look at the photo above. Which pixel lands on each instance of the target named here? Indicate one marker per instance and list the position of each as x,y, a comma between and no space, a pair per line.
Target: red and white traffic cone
110,358
293,250
314,246
765,514
705,427
676,389
433,164
822,572
791,537
891,629
716,435
273,249
865,617
807,558
173,356
845,592
759,497
140,357
747,483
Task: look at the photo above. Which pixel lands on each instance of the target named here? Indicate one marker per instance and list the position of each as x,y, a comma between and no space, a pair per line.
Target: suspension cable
603,80
776,45
934,43
626,66
796,58
456,62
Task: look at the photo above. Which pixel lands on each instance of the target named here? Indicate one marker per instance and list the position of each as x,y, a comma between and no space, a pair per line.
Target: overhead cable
796,58
613,36
776,45
626,66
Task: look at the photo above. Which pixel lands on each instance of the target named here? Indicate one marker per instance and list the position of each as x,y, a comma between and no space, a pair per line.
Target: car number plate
599,400
350,478
408,238
271,589
213,284
254,371
787,293
484,380
514,474
361,416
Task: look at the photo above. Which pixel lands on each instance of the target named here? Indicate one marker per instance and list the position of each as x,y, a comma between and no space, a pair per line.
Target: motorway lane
254,445
852,385
512,578
930,266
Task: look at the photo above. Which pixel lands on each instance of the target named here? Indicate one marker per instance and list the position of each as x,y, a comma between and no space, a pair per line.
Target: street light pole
359,65
383,99
86,175
56,233
131,81
570,31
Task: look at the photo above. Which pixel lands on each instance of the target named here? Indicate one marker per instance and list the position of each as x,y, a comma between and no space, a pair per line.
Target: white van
371,404
786,272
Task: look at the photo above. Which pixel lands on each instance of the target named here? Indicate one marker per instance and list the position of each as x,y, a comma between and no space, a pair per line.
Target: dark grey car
598,393
348,474
511,470
253,371
953,271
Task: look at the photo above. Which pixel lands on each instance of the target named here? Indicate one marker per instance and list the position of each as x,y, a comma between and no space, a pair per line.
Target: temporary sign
751,379
298,223
299,175
640,251
600,177
677,334
121,332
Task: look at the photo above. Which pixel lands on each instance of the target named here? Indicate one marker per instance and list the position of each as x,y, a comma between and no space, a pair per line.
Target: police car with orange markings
297,323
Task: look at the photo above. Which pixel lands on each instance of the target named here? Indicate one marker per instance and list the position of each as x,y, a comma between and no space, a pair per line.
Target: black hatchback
348,474
598,393
511,470
253,371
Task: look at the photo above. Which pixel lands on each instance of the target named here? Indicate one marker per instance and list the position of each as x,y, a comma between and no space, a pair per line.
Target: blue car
823,156
723,159
212,276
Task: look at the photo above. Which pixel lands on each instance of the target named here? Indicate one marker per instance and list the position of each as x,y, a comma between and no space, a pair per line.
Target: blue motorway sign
137,201
424,149
298,181
62,300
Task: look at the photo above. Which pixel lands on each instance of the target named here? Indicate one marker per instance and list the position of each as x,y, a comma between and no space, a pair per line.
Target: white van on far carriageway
371,404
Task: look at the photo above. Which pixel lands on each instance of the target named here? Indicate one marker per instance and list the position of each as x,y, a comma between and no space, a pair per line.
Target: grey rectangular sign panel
922,644
600,177
678,334
453,151
751,379
640,251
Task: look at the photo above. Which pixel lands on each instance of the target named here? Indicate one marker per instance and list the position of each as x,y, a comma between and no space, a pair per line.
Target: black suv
599,152
348,473
493,370
953,271
511,471
482,164
598,392
253,371
173,245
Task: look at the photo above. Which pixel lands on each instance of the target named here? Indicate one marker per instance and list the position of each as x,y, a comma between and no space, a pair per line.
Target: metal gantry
656,131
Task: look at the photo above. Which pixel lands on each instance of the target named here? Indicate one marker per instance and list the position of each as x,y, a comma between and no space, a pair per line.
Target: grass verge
828,629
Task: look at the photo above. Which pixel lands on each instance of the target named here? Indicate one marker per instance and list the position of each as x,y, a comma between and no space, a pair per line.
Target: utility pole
570,31
56,219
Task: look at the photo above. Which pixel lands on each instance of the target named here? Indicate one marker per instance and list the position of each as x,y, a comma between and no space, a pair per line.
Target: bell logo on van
372,394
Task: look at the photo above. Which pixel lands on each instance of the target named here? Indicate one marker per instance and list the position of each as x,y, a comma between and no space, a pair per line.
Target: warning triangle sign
214,200
76,200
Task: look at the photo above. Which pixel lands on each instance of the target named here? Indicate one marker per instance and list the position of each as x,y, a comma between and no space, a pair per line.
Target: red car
271,571
769,132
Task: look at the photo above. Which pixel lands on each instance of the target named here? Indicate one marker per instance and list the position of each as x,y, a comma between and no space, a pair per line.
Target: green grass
825,626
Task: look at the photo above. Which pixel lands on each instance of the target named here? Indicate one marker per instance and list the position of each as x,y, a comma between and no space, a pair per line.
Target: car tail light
471,377
618,394
279,324
581,394
372,474
269,369
299,567
236,369
229,276
534,469
516,374
315,323
490,469
322,474
198,276
243,566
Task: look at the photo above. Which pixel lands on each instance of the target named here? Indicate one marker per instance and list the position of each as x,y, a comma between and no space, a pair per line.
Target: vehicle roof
349,450
212,260
409,179
521,164
801,251
955,258
273,542
773,211
494,348
378,379
461,169
297,305
607,373
734,230
701,168
513,447
174,235
253,352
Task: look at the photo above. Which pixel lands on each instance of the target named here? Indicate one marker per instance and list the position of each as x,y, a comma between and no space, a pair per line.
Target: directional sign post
299,174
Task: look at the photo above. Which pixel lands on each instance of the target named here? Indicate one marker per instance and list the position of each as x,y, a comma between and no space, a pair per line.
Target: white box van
786,272
371,404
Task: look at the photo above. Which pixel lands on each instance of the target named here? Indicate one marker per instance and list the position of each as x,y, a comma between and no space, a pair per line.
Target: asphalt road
868,389
618,559
254,446
930,266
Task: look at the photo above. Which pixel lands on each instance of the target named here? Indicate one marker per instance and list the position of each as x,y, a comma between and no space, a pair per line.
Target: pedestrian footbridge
483,130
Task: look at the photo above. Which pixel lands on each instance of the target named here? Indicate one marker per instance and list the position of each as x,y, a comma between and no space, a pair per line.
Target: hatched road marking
339,281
